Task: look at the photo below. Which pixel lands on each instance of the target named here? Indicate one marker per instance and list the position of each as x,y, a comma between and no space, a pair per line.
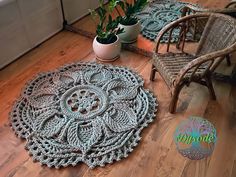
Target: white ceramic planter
107,52
131,32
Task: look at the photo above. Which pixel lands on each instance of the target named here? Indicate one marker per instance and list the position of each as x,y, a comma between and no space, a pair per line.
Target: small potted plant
106,44
129,22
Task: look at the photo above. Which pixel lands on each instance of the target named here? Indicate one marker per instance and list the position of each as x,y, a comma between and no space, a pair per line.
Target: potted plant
129,22
106,44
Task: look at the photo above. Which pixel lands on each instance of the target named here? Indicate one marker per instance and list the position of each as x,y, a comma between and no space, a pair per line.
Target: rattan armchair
198,25
179,68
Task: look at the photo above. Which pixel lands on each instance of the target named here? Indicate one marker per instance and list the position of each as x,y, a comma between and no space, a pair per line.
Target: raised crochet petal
64,79
119,89
121,118
98,76
48,124
84,136
43,97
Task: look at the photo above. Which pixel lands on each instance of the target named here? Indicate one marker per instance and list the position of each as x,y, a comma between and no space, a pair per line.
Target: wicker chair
230,9
180,68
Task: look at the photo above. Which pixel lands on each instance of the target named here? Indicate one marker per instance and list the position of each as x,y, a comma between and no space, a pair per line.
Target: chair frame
213,59
229,9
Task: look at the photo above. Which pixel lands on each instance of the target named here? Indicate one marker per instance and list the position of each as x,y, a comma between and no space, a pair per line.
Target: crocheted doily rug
83,112
157,15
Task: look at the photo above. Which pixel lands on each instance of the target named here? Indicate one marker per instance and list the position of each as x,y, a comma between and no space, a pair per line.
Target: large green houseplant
106,44
128,21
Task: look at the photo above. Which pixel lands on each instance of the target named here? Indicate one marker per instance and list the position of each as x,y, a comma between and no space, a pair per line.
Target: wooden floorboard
156,155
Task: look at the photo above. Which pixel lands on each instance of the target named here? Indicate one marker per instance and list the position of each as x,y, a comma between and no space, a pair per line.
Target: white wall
13,38
42,18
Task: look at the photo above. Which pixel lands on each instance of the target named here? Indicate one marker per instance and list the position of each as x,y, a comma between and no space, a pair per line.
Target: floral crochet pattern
83,112
157,15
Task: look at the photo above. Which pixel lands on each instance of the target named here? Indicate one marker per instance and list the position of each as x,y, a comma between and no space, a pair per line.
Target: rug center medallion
83,102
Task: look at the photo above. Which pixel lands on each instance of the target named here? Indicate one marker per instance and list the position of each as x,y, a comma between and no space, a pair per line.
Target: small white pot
131,32
107,52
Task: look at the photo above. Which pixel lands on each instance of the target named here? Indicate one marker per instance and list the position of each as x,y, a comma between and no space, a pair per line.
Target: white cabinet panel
31,7
26,23
13,38
42,18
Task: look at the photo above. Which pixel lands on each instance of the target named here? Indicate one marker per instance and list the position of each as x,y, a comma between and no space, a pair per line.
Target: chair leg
179,40
228,60
174,99
153,73
210,88
178,44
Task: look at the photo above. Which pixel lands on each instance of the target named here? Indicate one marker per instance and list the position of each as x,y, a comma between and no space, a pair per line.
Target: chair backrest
219,33
230,9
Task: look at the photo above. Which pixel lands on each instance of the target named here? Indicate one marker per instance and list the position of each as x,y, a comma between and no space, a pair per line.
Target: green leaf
130,9
112,4
101,12
120,30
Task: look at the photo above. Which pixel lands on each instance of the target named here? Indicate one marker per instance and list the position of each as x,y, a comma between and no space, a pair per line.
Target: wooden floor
156,155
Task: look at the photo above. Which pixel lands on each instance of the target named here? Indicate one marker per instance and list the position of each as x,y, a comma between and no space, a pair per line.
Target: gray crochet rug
83,112
157,15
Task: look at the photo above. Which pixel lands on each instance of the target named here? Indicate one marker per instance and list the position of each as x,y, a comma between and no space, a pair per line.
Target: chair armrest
196,63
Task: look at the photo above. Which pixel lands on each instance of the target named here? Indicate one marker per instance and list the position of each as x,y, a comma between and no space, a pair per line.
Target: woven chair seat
170,64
